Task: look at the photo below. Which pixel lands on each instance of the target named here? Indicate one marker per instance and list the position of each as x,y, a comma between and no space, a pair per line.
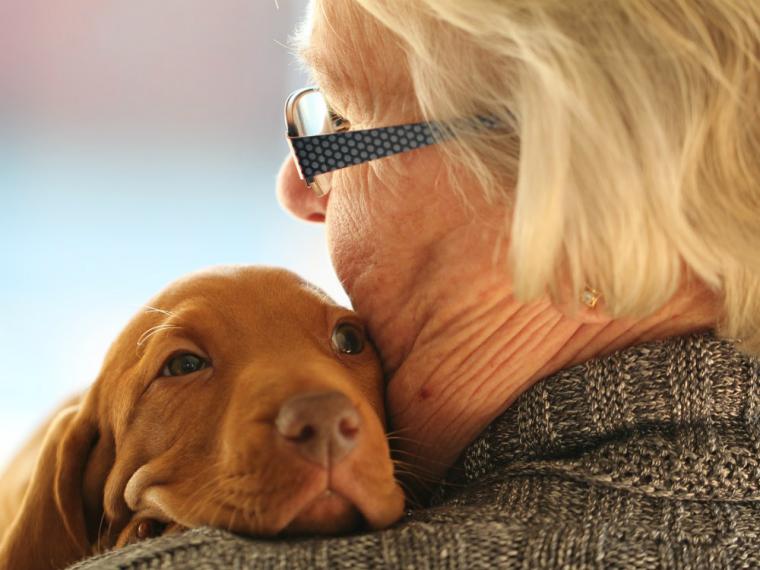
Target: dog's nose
325,426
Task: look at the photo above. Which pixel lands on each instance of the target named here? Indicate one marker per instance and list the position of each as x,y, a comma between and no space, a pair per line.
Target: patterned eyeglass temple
320,154
323,153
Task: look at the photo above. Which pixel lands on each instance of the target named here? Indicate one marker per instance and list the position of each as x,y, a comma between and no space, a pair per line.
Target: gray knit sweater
648,458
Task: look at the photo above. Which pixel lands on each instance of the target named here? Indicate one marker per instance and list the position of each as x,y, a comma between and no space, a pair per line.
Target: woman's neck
475,349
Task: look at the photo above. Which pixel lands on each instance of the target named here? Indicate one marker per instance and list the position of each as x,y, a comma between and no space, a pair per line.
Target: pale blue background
94,220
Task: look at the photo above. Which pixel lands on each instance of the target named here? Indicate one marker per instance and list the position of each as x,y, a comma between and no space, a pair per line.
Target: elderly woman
556,251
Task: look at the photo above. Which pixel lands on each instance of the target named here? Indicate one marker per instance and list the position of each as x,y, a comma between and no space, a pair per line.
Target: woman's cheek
378,224
347,227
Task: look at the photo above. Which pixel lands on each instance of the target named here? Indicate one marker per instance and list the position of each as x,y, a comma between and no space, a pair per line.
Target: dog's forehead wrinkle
241,295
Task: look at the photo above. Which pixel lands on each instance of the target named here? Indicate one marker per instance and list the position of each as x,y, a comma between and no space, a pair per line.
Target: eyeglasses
321,141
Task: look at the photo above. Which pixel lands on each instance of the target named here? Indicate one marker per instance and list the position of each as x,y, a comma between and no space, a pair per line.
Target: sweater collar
677,417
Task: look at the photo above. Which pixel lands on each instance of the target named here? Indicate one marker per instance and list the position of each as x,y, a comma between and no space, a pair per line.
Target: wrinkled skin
425,260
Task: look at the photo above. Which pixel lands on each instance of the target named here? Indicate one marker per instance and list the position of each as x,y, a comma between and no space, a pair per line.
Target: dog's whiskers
231,522
151,309
397,431
410,495
395,451
399,439
109,533
217,498
422,477
405,486
194,509
98,545
412,456
154,330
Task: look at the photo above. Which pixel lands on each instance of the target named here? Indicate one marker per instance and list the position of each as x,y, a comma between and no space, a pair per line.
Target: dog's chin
329,513
315,508
313,512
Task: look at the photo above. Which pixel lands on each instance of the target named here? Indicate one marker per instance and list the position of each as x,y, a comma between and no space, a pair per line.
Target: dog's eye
182,364
348,338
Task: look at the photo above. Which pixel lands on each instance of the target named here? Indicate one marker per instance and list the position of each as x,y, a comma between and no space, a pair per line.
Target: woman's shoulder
675,386
647,456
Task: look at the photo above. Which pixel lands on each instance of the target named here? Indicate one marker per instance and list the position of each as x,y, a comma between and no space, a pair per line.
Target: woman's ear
60,515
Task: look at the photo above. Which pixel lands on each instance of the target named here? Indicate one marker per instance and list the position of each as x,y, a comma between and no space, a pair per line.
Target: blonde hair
638,138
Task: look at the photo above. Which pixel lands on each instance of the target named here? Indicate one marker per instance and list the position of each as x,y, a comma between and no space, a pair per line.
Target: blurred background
139,141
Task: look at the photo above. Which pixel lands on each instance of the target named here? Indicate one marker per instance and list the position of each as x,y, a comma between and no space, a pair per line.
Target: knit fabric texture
647,458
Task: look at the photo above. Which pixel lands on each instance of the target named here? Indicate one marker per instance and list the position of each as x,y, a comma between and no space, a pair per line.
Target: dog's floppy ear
61,511
84,459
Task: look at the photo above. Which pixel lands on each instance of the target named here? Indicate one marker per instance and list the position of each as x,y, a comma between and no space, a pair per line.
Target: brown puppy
243,398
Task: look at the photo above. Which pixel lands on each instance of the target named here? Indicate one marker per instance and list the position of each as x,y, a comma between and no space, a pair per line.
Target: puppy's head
243,398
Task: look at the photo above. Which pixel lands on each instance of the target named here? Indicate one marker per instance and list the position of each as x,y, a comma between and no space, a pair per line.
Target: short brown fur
202,449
